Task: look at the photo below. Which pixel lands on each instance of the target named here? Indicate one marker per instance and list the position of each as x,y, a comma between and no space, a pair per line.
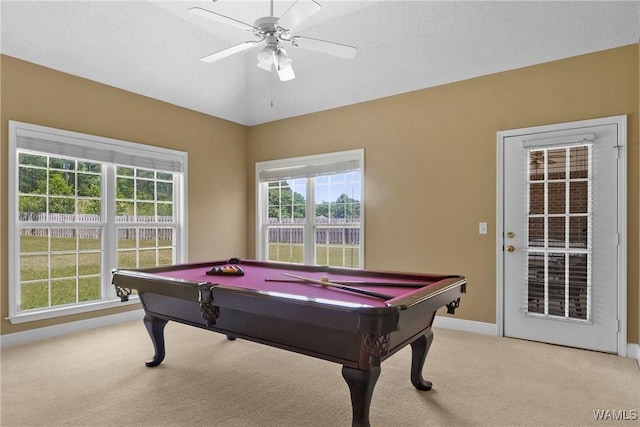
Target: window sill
50,313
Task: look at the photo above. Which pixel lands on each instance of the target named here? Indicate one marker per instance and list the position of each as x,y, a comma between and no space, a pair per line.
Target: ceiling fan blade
298,12
331,48
230,51
286,73
221,18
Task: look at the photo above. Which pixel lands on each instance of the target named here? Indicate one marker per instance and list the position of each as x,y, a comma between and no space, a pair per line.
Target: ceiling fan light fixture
265,56
283,65
283,61
286,74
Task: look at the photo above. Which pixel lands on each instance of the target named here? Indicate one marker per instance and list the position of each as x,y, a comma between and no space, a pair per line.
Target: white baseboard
633,351
466,325
8,340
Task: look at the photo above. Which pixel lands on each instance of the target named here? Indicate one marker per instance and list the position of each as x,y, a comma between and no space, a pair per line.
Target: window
80,206
310,209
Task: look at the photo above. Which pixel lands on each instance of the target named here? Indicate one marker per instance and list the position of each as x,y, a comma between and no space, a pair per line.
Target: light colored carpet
98,378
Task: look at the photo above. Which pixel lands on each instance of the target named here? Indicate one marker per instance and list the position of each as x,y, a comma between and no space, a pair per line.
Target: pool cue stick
357,282
339,286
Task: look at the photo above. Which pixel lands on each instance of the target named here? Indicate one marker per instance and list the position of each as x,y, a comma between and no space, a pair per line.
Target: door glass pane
556,232
578,289
536,231
557,164
579,162
536,199
536,164
578,232
556,284
556,197
579,196
558,279
536,280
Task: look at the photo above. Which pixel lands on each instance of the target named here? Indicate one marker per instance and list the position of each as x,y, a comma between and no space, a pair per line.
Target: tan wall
216,186
430,161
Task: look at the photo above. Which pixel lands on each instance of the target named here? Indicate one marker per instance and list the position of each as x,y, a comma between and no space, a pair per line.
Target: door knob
510,248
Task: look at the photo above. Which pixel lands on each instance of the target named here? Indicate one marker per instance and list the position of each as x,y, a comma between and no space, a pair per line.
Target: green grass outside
34,268
336,256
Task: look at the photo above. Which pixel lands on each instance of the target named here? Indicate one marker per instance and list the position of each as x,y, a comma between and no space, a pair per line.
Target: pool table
356,318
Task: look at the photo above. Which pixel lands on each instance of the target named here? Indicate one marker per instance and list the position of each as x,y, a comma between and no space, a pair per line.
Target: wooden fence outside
72,226
324,235
331,233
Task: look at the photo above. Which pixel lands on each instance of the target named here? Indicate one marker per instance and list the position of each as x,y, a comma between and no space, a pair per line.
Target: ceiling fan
271,33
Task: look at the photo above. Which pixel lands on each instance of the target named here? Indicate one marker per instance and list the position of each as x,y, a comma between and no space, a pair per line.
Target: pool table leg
361,384
155,328
419,350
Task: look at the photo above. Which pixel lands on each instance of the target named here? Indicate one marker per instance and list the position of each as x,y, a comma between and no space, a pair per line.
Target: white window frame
307,167
93,149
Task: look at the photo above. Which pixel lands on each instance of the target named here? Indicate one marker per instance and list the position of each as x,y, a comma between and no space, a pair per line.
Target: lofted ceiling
153,47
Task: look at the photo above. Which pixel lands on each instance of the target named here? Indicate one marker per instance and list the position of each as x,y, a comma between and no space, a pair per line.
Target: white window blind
308,167
559,142
97,149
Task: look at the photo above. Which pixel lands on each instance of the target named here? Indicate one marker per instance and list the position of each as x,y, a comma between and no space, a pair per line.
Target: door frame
621,122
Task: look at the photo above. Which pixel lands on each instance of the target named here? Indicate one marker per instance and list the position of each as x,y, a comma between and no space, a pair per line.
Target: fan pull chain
271,77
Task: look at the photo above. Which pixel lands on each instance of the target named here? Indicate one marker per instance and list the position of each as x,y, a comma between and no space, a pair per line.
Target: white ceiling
153,47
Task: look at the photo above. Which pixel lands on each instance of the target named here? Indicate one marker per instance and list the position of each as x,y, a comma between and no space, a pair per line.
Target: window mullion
109,241
310,224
